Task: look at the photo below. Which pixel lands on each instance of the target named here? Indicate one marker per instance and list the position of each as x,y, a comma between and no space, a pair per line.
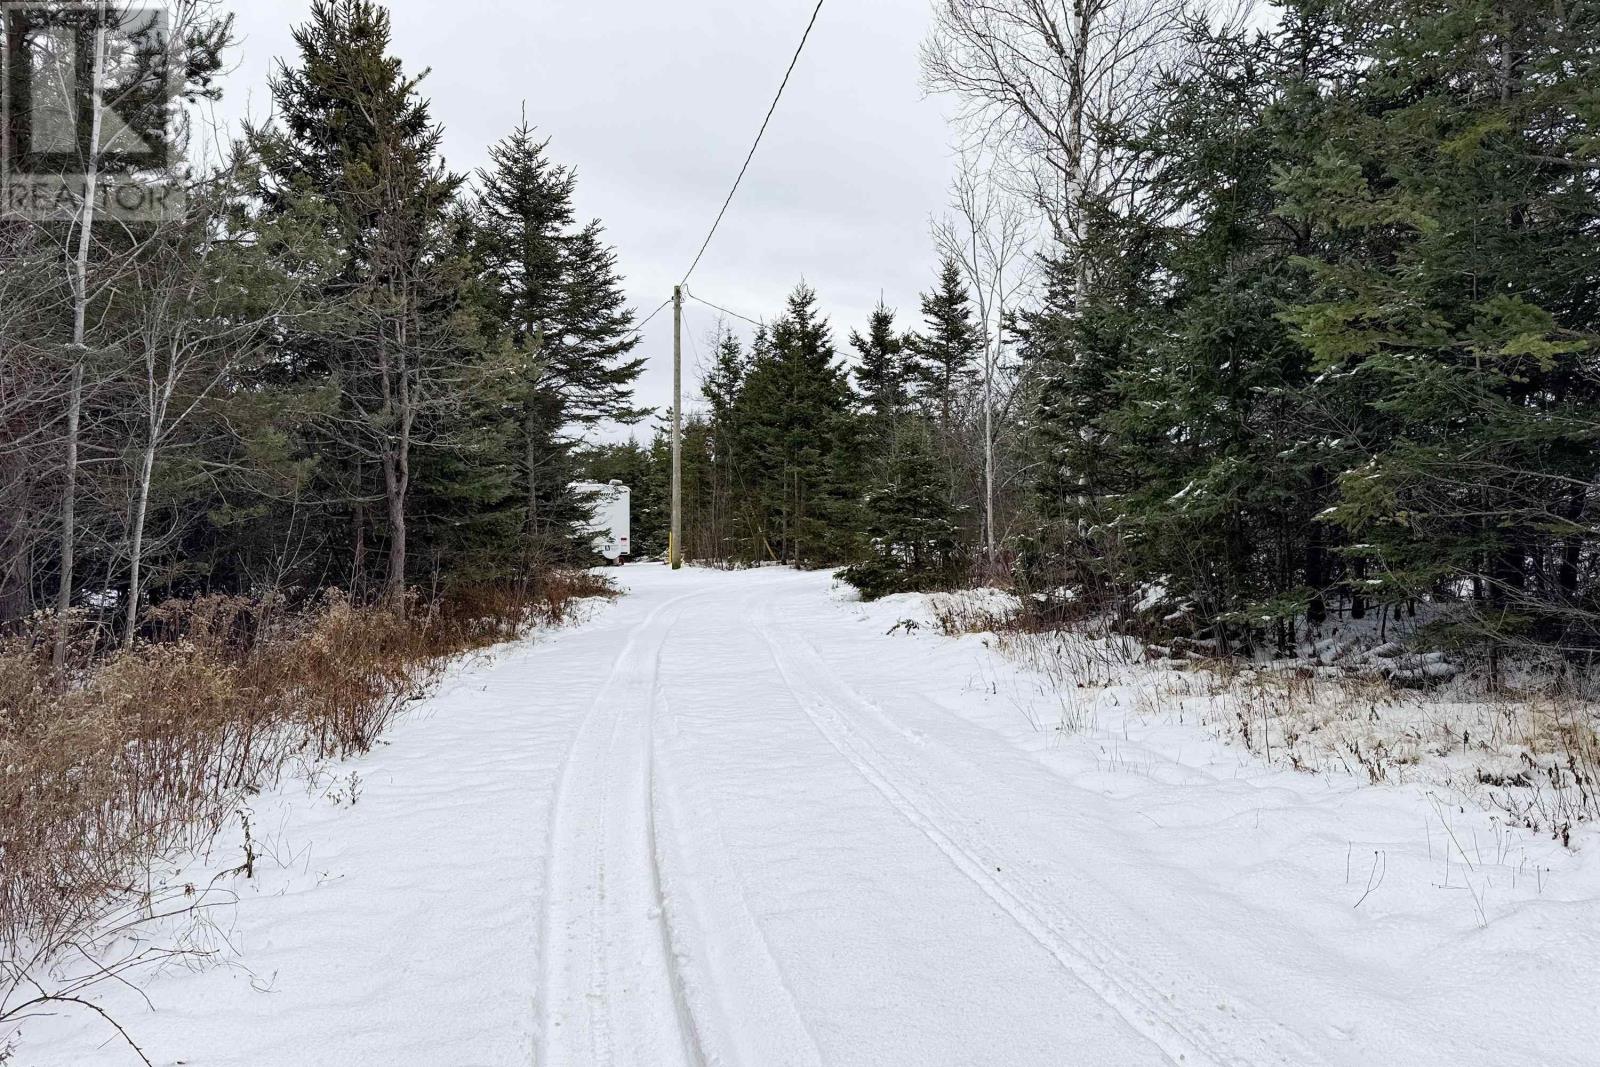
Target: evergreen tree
554,297
1212,417
1454,194
947,350
881,370
724,514
913,531
726,378
795,443
1186,445
354,142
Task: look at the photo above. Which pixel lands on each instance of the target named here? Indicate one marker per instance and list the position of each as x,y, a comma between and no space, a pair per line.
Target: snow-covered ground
735,821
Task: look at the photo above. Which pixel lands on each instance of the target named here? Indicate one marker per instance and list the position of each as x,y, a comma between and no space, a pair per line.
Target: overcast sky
656,103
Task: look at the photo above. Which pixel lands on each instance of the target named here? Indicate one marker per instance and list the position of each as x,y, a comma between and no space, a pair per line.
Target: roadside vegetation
1256,354
1520,738
269,457
144,755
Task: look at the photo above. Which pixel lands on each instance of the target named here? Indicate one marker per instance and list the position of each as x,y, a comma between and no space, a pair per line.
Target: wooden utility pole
675,545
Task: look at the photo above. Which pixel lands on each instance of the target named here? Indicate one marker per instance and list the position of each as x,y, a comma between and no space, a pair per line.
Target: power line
725,311
699,360
659,309
707,243
675,544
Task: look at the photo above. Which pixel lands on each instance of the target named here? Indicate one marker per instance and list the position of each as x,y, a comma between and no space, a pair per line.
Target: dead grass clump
1534,754
136,757
1525,743
956,615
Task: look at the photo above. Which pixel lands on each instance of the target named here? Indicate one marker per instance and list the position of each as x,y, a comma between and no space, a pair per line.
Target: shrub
136,756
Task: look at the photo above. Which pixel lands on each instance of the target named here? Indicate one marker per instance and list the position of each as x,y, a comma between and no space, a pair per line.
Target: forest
341,365
1313,334
1241,325
270,455
1282,321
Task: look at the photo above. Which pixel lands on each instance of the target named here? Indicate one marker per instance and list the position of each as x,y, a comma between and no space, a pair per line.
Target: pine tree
948,348
881,370
913,531
555,297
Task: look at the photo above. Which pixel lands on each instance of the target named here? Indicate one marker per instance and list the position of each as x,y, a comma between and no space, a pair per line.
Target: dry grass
143,755
1074,662
1529,750
1531,753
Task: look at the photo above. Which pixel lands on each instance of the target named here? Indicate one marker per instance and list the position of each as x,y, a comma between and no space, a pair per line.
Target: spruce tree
912,530
798,458
354,143
555,297
1180,446
947,350
725,515
1454,186
881,371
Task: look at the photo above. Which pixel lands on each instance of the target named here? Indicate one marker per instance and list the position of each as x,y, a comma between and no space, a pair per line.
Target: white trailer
610,507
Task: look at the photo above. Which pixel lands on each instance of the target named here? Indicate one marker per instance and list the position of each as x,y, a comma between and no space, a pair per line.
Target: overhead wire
659,309
757,144
694,346
731,314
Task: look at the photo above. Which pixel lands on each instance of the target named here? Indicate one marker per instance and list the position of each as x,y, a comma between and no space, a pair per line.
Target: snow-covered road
752,863
731,821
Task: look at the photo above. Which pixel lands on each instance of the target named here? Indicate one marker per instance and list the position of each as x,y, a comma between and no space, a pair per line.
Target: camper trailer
610,510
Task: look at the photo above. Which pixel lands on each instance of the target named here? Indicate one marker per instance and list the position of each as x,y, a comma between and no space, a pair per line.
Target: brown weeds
139,756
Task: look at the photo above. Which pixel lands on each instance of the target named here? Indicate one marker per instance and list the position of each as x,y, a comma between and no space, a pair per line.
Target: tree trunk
1077,180
990,546
395,492
69,513
15,542
531,458
1316,576
80,313
141,506
991,360
397,486
358,537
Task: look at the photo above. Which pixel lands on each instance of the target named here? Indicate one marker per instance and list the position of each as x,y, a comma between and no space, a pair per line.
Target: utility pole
675,545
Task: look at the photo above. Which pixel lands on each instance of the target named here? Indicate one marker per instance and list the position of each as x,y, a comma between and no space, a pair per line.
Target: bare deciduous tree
1039,81
991,237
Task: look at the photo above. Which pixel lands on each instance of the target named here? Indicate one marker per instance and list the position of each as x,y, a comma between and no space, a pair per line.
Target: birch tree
1038,80
208,302
990,236
84,225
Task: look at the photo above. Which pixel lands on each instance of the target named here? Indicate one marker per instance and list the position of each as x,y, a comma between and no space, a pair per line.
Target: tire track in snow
672,946
1183,1038
605,949
761,1027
